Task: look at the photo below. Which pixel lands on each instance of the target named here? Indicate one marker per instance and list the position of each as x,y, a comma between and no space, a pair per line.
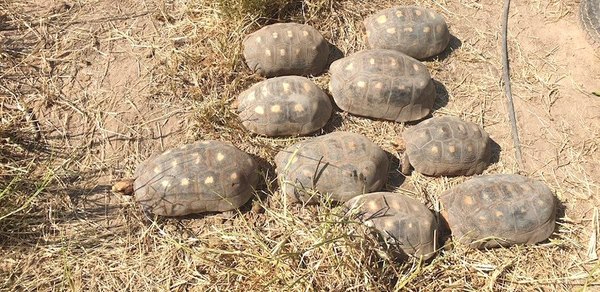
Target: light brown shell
341,164
382,84
399,218
499,210
418,32
284,106
447,146
286,49
206,176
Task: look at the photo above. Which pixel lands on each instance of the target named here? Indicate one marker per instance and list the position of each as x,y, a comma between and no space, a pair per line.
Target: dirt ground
108,83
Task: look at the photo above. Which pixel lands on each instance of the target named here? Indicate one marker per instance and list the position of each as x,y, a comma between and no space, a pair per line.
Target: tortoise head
124,187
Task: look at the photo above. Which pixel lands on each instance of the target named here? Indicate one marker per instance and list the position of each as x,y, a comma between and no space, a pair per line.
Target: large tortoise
418,32
446,146
400,219
284,106
286,49
341,164
499,210
205,176
383,84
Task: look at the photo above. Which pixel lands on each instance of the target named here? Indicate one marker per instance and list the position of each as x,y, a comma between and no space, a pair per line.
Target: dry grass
91,88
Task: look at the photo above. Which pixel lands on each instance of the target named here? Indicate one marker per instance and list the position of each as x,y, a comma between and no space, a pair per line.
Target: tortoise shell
284,106
418,32
446,146
499,210
341,164
382,84
399,218
286,49
207,176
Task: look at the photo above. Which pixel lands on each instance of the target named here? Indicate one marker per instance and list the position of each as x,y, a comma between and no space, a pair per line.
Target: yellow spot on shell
416,67
307,87
286,87
276,108
418,12
408,29
174,163
361,84
259,110
298,108
379,85
389,223
165,183
251,96
499,214
157,169
268,52
468,200
434,149
432,14
350,67
439,28
209,180
373,206
290,34
220,156
469,148
399,13
410,225
305,33
185,181
282,52
391,30
258,39
372,61
233,176
451,148
275,35
183,147
381,19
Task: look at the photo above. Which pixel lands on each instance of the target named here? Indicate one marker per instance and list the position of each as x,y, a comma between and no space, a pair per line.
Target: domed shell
499,210
286,49
382,84
342,164
399,218
418,32
284,106
206,176
446,146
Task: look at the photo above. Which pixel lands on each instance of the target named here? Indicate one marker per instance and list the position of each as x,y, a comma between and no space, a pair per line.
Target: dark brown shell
499,210
207,176
342,164
284,106
286,49
400,218
447,146
418,32
382,84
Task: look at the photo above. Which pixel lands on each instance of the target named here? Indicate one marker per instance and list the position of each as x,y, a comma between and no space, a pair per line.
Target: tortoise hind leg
406,168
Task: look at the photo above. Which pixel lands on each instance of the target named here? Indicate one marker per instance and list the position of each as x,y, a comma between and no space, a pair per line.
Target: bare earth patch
108,83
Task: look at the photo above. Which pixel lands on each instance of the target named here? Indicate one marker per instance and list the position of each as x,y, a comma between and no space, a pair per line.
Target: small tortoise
499,210
399,218
446,146
286,49
589,16
383,84
418,32
284,106
207,176
341,164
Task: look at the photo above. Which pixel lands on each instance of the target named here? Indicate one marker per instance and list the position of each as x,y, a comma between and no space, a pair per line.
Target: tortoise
400,219
418,32
340,164
589,16
446,146
284,106
205,176
382,84
286,49
499,210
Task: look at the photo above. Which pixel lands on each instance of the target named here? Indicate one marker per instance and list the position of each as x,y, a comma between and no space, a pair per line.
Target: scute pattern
382,84
499,210
284,106
418,32
342,164
447,146
398,218
207,176
286,49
